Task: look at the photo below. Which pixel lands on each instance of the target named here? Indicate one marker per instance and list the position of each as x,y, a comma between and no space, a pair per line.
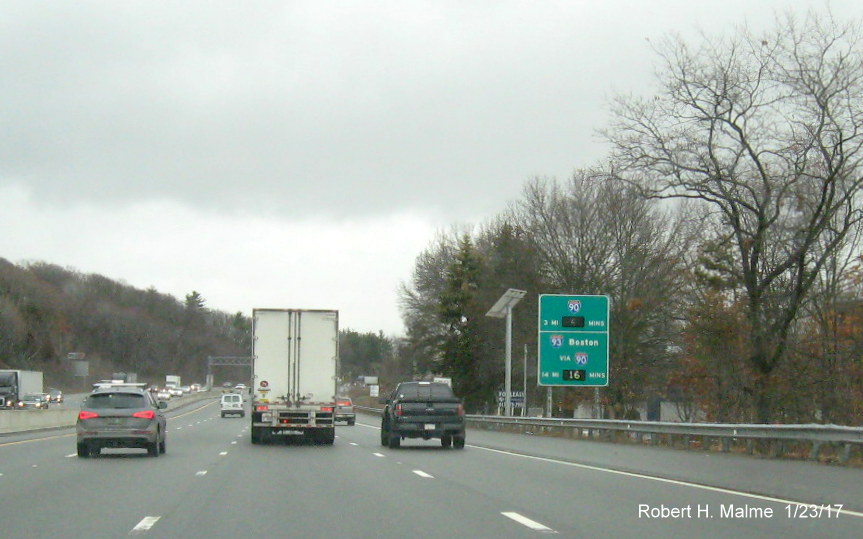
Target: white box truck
14,384
295,358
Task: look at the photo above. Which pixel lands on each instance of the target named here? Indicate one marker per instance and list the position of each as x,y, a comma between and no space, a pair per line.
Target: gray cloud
293,107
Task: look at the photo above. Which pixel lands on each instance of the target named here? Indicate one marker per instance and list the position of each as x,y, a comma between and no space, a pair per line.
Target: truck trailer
294,374
14,384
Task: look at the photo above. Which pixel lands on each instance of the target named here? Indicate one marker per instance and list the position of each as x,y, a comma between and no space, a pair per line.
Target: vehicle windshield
115,400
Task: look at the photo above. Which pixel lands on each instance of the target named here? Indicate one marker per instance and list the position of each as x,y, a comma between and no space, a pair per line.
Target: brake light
399,410
261,408
87,415
326,408
146,414
460,410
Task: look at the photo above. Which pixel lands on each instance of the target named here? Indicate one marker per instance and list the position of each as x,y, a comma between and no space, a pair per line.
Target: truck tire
256,436
395,441
458,442
83,451
446,441
328,436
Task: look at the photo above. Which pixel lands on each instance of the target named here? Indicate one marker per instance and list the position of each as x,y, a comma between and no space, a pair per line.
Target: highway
213,483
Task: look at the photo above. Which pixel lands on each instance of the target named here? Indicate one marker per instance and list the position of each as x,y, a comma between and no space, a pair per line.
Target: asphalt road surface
213,483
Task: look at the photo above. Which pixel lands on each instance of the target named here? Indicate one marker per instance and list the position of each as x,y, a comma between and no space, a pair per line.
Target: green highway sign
573,340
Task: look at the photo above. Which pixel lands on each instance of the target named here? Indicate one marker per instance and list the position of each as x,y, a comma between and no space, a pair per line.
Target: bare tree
594,236
766,130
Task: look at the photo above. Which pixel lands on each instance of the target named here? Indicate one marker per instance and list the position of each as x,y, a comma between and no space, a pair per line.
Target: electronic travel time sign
573,340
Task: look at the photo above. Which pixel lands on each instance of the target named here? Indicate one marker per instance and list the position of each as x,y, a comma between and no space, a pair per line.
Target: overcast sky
302,154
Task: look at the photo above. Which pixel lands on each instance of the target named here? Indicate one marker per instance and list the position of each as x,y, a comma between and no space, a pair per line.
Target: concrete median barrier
26,420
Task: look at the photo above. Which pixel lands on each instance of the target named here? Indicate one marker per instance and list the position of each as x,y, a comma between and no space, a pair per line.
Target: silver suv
345,410
121,416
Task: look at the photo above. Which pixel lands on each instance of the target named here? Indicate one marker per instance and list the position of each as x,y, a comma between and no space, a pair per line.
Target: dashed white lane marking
423,474
179,428
35,466
145,525
70,455
234,442
223,453
201,473
378,454
524,521
857,514
354,443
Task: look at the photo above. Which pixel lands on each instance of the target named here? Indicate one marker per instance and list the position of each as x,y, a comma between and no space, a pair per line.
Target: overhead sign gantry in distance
573,340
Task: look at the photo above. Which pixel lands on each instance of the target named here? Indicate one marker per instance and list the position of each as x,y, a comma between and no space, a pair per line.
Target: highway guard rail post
777,436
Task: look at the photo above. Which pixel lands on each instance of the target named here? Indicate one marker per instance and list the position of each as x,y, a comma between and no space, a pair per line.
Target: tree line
724,224
48,312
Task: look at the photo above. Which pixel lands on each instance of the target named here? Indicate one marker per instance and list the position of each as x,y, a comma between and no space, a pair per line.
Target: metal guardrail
776,436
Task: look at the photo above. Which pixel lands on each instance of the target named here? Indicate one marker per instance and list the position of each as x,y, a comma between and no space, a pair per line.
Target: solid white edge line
145,524
670,481
524,521
423,474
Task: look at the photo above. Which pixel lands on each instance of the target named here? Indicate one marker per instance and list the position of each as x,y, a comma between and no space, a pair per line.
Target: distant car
38,401
55,395
345,410
163,395
232,404
227,385
186,389
127,417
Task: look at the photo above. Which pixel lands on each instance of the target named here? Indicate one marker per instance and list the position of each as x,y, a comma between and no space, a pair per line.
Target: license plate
430,426
288,432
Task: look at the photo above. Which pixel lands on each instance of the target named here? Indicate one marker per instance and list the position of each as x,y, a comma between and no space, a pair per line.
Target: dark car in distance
121,416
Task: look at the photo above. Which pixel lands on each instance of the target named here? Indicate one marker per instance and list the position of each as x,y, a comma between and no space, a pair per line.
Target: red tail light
146,414
326,408
460,410
87,415
399,410
261,408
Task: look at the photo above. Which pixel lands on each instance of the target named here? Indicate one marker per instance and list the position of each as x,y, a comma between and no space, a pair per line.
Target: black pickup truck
422,410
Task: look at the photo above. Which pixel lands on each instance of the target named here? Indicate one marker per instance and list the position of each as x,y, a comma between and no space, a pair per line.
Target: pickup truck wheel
395,441
458,442
83,451
385,435
446,440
